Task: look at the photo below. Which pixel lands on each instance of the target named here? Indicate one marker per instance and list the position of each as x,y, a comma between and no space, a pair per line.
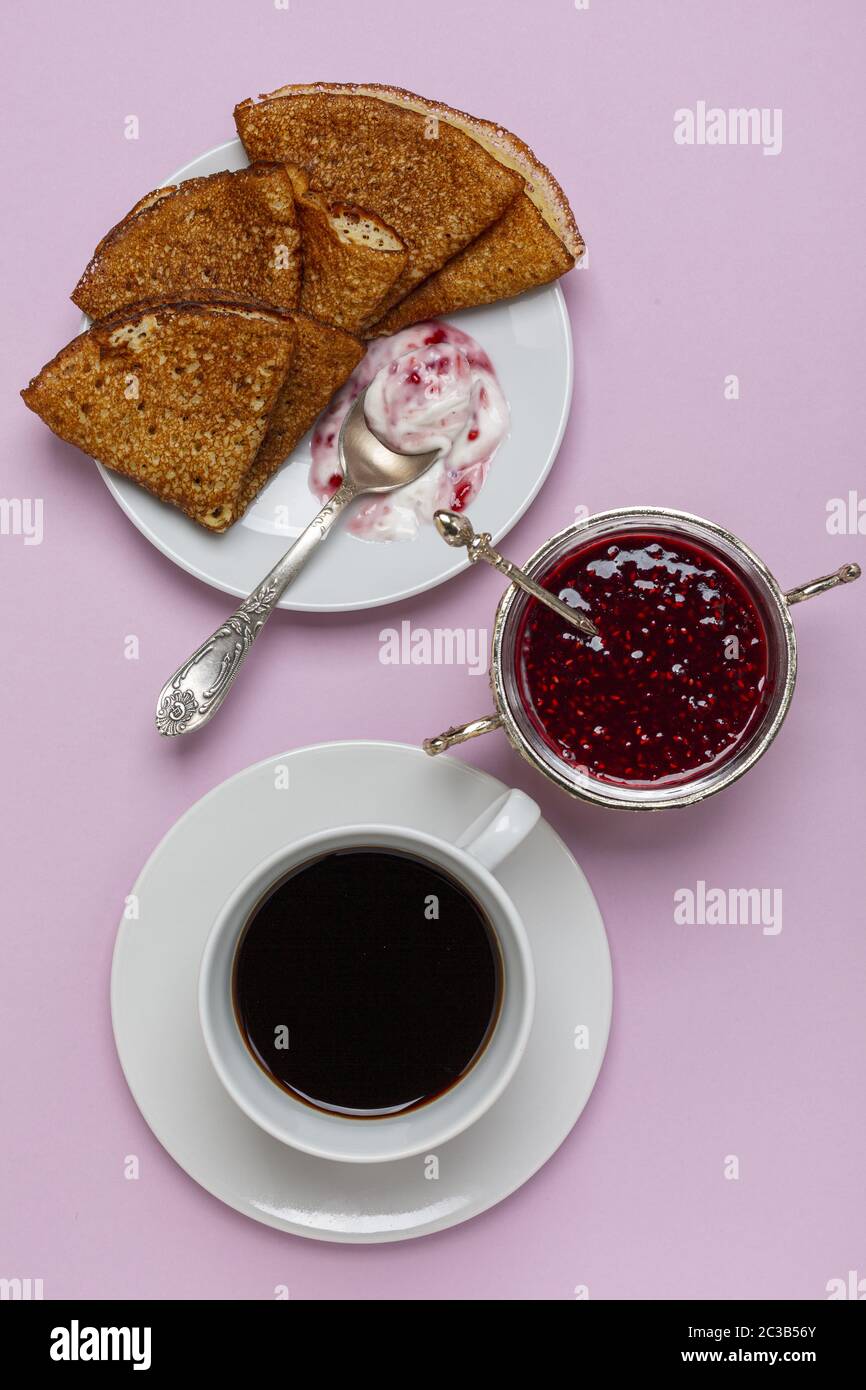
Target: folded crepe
235,233
534,241
351,258
436,186
200,403
324,358
177,397
519,252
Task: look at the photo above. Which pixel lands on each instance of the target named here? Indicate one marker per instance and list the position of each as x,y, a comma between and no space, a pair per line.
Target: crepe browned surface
434,184
176,396
508,149
324,358
534,241
351,259
519,252
231,232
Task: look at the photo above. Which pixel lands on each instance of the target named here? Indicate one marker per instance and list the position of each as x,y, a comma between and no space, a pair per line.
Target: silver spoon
458,530
195,692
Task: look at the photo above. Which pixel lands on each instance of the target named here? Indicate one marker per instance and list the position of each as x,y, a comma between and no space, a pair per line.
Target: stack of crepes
227,310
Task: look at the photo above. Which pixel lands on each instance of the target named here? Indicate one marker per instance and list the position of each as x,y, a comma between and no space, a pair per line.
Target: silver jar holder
774,605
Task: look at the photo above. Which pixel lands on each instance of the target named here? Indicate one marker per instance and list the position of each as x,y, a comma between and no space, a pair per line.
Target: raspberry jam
677,678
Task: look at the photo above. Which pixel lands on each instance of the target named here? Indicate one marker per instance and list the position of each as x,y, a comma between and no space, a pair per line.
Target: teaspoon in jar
458,530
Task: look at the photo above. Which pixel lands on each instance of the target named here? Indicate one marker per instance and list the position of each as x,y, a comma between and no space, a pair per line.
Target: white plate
154,988
529,342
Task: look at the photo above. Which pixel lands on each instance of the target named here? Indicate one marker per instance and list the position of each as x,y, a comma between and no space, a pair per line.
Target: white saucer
529,342
155,979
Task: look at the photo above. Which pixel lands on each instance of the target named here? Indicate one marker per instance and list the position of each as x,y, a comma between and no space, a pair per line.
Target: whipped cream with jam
430,387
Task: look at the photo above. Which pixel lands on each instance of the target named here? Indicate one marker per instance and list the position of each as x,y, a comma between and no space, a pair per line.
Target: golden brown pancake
177,397
535,240
351,259
236,233
435,185
324,358
519,252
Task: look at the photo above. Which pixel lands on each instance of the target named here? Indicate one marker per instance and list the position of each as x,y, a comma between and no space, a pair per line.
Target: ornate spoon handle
195,692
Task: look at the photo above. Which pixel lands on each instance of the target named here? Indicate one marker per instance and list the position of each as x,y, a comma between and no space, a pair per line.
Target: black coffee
367,981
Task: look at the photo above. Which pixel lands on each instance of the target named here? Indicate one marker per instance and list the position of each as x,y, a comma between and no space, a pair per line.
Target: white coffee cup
472,861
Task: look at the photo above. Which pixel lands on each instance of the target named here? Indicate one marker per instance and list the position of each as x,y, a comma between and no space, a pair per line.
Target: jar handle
843,575
461,733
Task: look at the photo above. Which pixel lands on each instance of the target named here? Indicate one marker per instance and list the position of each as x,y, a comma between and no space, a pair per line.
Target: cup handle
498,831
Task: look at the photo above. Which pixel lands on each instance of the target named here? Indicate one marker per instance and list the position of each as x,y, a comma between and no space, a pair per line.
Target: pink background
704,262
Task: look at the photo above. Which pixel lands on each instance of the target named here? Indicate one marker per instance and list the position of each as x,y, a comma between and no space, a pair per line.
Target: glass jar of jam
685,684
